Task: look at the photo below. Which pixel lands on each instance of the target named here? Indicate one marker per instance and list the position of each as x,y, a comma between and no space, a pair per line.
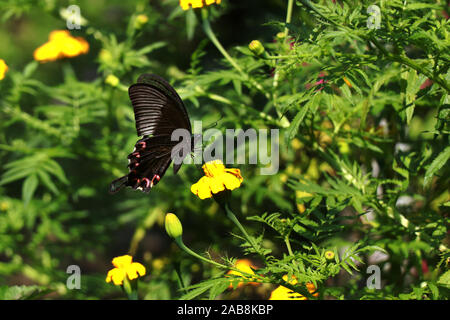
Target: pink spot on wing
147,182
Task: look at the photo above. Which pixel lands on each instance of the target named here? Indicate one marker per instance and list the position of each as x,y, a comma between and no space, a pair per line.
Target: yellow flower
185,4
246,266
112,80
329,255
124,267
217,178
61,45
283,293
3,69
142,19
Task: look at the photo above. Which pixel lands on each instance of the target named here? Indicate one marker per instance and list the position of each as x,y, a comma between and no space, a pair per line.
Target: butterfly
158,112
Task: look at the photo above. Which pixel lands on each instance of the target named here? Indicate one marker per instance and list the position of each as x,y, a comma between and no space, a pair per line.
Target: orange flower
283,293
246,266
61,45
186,4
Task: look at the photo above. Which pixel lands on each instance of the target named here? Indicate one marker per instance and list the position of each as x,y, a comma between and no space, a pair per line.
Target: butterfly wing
147,163
158,111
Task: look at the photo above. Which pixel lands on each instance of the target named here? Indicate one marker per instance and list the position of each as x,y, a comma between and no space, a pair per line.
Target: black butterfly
158,111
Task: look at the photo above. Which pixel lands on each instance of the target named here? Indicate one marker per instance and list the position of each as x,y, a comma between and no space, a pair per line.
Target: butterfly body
158,111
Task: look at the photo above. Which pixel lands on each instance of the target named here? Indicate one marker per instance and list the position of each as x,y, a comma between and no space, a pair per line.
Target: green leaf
444,280
22,292
191,22
437,164
29,187
295,124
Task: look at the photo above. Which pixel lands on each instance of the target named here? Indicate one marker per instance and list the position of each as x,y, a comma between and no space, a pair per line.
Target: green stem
288,246
215,41
233,218
288,17
277,73
129,290
209,32
254,277
180,243
182,246
410,63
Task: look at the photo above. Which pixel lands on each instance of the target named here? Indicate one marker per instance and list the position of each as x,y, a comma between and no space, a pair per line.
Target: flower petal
134,269
122,261
116,275
230,181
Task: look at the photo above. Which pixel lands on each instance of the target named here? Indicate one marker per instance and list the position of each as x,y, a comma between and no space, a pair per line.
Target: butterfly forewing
158,111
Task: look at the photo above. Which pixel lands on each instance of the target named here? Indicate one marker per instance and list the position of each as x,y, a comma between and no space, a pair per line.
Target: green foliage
363,172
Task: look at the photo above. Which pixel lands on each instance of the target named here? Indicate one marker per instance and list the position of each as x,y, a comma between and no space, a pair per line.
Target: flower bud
141,19
105,56
173,226
112,80
256,47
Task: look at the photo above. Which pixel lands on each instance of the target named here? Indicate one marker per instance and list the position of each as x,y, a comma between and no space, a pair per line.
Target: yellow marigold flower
124,267
245,265
283,293
217,178
61,45
3,68
186,4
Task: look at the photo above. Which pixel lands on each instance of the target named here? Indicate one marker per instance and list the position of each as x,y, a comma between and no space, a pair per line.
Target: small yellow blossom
302,194
61,45
142,19
283,293
343,147
112,80
217,178
329,255
3,69
186,4
124,267
246,266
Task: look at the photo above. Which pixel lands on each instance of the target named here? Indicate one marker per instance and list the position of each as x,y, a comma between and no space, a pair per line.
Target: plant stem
209,32
410,63
180,243
233,218
288,246
288,17
254,277
215,41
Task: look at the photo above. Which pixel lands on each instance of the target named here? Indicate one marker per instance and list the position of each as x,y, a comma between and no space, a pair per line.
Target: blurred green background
65,134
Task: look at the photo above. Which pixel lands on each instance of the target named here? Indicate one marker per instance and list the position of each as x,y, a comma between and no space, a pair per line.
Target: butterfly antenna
212,125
